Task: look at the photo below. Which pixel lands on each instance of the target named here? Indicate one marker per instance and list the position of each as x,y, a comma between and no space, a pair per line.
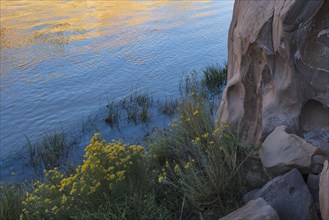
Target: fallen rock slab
289,196
257,209
324,191
281,152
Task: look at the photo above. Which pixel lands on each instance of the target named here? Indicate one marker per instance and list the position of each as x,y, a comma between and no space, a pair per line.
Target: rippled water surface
61,59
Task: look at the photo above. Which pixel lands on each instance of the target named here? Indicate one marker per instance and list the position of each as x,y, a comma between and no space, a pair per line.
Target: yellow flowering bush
61,196
200,162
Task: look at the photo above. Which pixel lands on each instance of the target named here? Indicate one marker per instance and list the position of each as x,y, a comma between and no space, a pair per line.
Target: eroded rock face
278,70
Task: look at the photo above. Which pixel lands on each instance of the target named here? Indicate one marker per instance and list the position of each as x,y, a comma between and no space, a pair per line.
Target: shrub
200,164
62,196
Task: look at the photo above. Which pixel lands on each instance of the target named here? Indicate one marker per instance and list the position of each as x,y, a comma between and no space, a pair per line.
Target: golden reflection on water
59,57
27,22
24,22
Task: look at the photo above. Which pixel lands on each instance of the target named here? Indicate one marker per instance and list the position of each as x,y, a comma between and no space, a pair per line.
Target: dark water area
61,61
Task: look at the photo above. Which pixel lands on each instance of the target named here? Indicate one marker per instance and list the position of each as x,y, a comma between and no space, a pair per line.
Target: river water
61,59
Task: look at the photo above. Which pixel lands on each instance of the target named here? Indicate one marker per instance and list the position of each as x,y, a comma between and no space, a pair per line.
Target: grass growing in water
112,117
136,108
168,107
214,78
48,152
137,105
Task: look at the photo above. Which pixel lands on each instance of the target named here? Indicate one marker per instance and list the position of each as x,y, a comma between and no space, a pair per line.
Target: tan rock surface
278,70
324,192
282,151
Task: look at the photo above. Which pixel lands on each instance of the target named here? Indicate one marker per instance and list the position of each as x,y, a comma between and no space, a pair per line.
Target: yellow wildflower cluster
177,169
195,113
162,176
103,167
174,125
196,140
205,135
189,164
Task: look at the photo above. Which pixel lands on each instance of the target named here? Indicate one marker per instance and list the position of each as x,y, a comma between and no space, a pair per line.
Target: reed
168,107
214,77
113,116
48,152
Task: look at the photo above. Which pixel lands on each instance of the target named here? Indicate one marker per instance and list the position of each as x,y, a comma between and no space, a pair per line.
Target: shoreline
127,126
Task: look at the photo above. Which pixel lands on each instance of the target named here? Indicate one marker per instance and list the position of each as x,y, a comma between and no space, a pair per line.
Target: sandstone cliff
278,70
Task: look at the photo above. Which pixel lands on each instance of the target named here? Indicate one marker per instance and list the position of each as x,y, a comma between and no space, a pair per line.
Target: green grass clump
112,117
208,86
134,108
48,152
137,107
11,196
133,206
214,77
201,165
168,107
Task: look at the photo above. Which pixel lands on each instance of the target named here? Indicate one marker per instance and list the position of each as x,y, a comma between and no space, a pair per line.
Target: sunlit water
60,60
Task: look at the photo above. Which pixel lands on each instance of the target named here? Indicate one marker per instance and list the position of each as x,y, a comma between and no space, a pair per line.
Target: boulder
257,209
324,192
281,152
289,196
313,185
278,70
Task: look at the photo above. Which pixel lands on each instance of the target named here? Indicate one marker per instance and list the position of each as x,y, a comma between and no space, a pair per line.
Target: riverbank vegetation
191,170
